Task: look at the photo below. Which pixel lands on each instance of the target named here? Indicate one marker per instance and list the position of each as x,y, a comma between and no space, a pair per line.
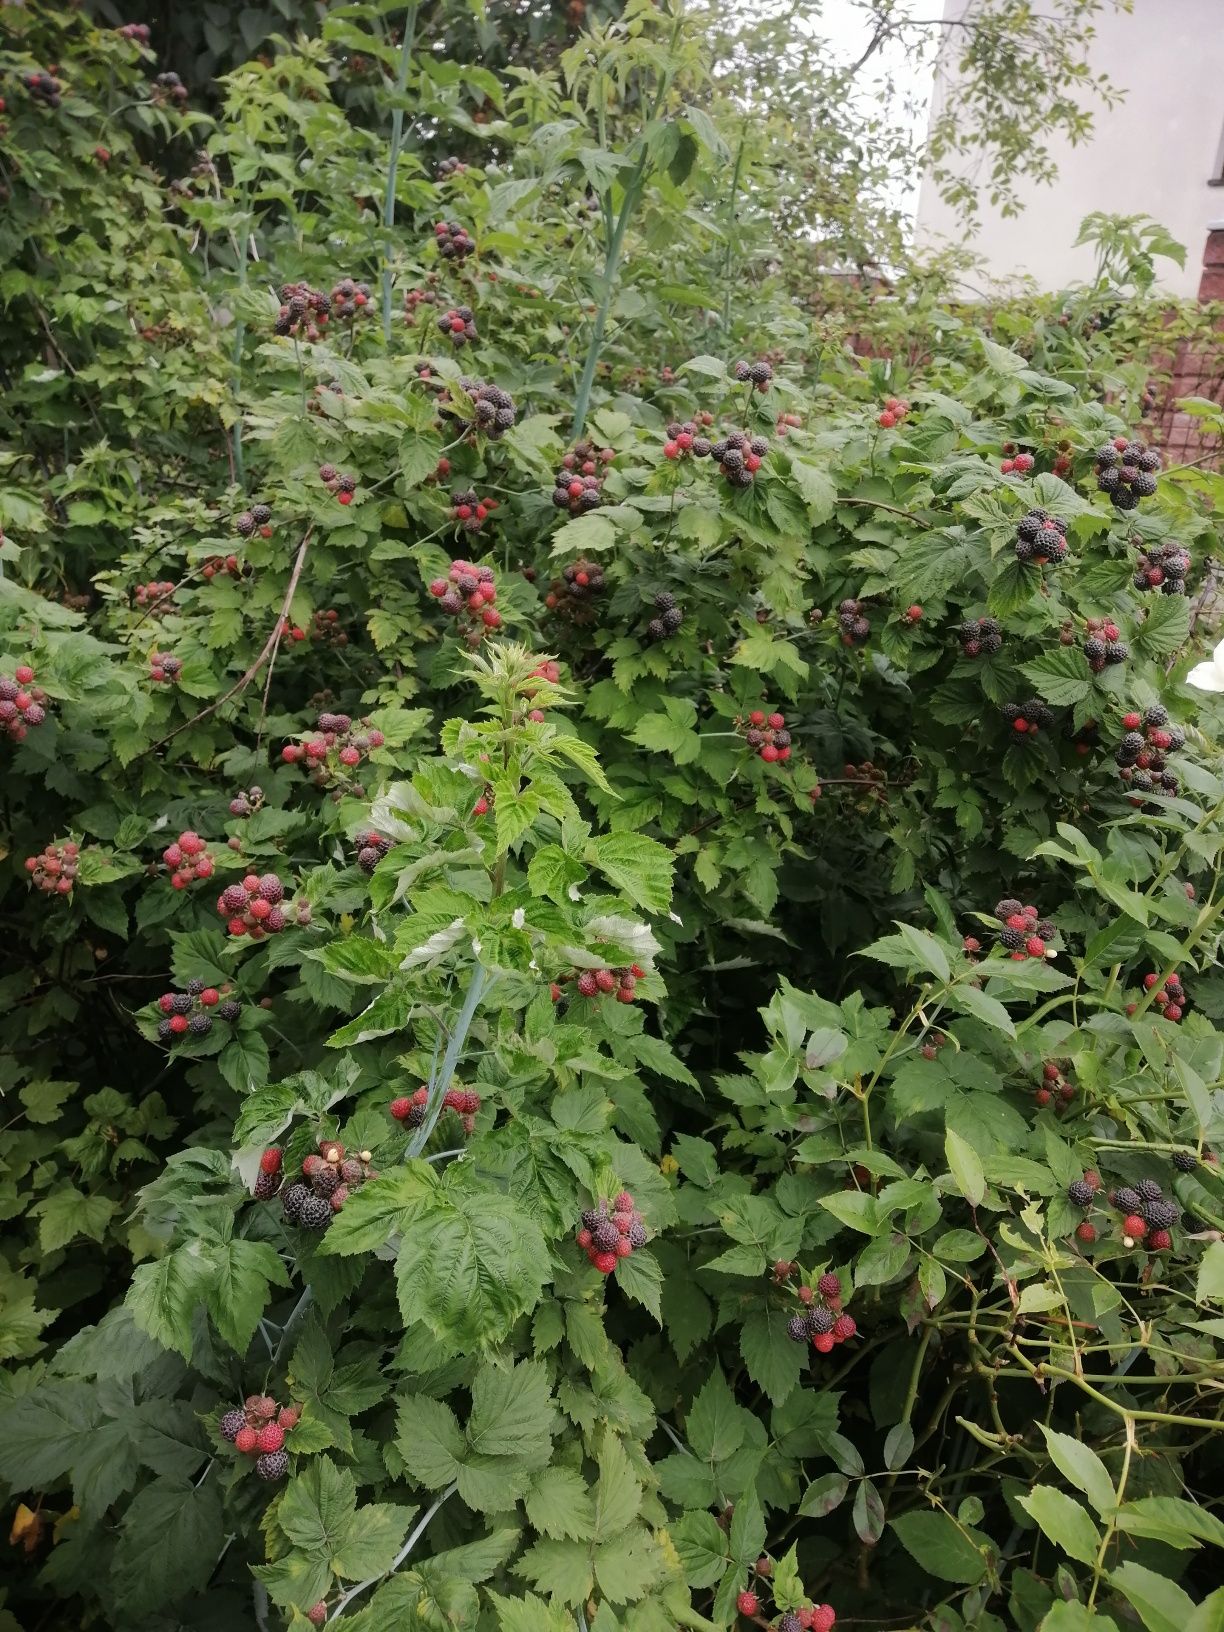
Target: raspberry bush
618,1020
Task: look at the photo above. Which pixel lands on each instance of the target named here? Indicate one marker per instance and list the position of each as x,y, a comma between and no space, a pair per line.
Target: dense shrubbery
616,1014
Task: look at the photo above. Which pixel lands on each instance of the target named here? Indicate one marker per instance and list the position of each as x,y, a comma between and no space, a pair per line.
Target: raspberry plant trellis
676,890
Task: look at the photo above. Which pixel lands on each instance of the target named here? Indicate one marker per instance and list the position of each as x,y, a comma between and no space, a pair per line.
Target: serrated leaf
941,1546
1080,1464
639,867
965,1166
239,1293
559,1504
164,1295
1064,1521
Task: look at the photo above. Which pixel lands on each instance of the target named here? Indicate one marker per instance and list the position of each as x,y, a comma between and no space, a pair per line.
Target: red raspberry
776,722
1092,1178
588,985
270,1437
1134,1227
172,855
584,1239
604,1262
178,1023
23,674
843,1327
289,1416
1050,1071
747,1603
270,1161
1149,981
191,843
1035,947
1017,921
1043,1096
311,1165
209,996
246,1440
829,1285
756,717
345,498
770,754
623,1202
671,450
1159,1241
400,1108
259,908
624,1247
1132,721
823,1618
166,1001
971,944
350,756
317,1613
886,420
806,1294
1173,1012
605,980
823,1342
1085,1232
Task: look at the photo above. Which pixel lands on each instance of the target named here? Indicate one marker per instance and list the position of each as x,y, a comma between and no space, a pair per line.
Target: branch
270,646
414,1536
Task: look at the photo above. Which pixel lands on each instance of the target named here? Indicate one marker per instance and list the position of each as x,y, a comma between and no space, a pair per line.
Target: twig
413,1537
270,646
290,1329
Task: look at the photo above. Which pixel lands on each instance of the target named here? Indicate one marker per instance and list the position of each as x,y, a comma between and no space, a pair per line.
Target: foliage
810,1058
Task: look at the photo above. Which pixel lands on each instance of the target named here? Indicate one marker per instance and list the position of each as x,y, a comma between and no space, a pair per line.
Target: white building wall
1152,154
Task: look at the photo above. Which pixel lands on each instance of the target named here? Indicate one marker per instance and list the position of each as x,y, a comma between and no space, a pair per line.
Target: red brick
1211,285
1213,255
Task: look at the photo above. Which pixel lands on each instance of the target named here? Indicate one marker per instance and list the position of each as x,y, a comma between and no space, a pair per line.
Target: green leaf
1080,1464
1210,1285
239,1292
356,959
1162,1605
164,1295
983,1007
1171,1519
1069,1615
1061,676
941,1546
168,1546
389,1012
552,873
527,1613
559,1504
640,1278
317,1508
823,1495
639,867
1064,1521
477,1261
966,1167
714,1426
1166,628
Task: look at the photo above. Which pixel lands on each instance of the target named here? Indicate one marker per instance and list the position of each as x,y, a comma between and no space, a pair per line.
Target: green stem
292,1326
608,287
239,338
397,136
477,987
729,261
1111,1524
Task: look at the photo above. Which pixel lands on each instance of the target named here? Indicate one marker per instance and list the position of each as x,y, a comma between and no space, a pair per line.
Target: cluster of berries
809,1618
759,375
168,87
157,596
454,243
256,907
259,515
493,409
246,802
786,423
1163,567
458,324
322,398
739,456
1013,463
670,617
371,848
1041,538
1021,932
258,1429
348,298
1169,996
1141,755
228,564
326,1182
417,297
1147,1214
978,635
165,666
570,595
821,1321
1029,717
43,88
190,1012
22,704
54,869
766,735
855,629
1055,1087
325,626
470,510
547,670
600,983
337,482
576,485
188,860
1103,645
688,436
611,1232
334,736
449,166
1126,471
139,32
410,1108
895,410
467,593
303,311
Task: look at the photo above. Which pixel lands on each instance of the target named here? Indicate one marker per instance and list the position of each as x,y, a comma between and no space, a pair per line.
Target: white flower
1209,676
519,918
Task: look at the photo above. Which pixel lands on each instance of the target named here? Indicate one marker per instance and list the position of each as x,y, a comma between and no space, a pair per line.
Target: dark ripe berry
324,1180
272,1464
229,1010
1126,1200
605,1236
790,1623
1081,1193
656,629
180,1003
293,1200
266,1186
1149,1189
1008,908
261,514
232,1424
200,1025
165,1030
672,619
797,1328
1185,1161
637,1234
314,1212
820,1321
1161,1214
